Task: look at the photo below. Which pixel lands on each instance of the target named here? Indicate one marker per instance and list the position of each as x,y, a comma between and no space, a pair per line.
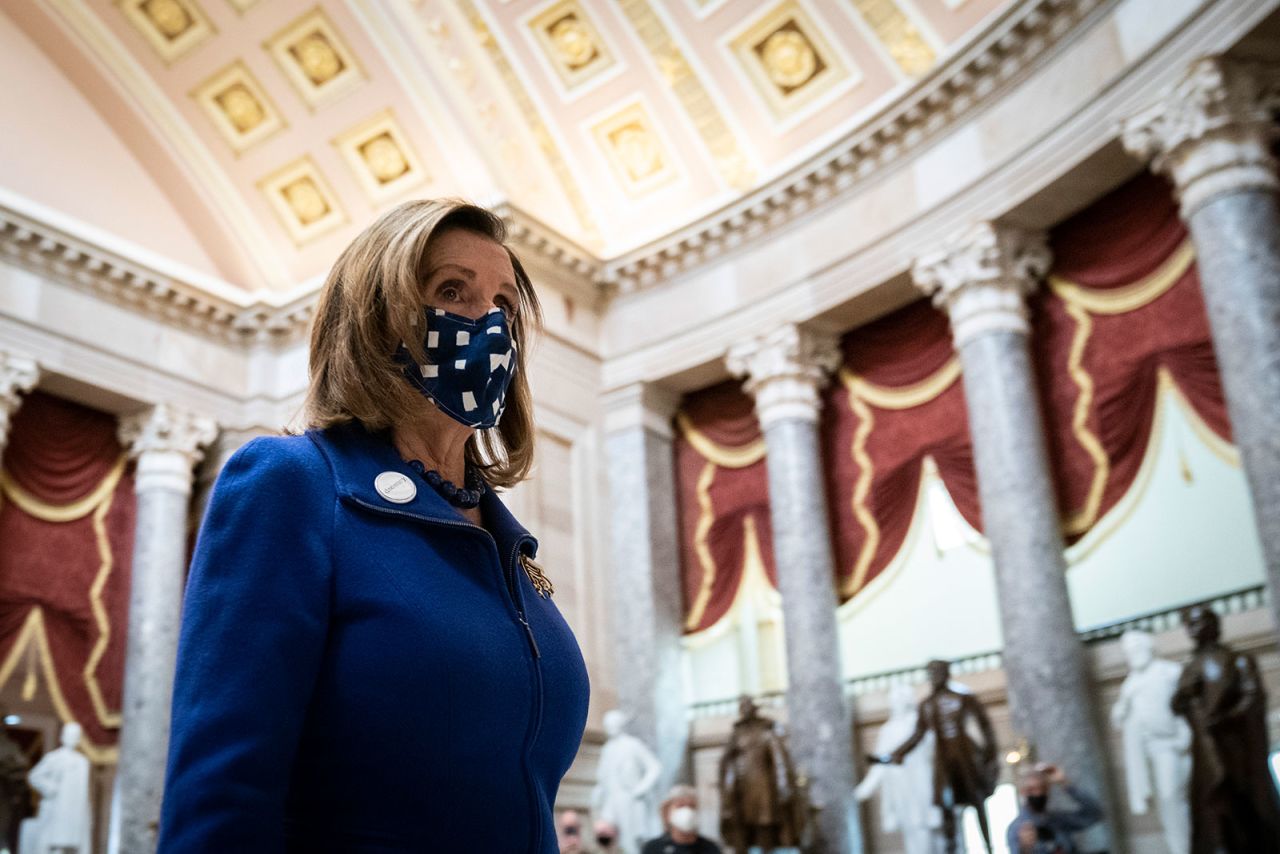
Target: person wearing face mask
679,813
370,657
1040,830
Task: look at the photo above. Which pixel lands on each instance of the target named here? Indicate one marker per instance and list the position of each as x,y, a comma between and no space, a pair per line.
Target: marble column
1212,134
18,375
646,571
981,278
785,370
166,444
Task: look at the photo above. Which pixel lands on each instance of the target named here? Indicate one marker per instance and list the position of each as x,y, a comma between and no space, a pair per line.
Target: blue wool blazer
356,675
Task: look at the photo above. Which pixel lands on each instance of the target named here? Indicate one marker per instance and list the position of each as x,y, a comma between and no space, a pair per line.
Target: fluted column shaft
646,571
1212,134
166,445
18,375
785,371
981,278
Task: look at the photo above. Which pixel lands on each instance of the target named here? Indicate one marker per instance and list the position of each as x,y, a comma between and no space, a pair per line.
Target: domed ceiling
614,122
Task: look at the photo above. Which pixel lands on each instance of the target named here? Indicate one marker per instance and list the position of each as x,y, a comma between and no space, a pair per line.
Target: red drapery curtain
723,498
1122,314
1123,308
67,513
898,399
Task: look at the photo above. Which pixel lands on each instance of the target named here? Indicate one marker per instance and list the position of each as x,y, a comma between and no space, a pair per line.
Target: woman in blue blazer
370,658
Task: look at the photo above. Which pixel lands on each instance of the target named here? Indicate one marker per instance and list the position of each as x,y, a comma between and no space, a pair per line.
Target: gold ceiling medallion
634,150
173,27
242,5
899,35
315,59
731,161
379,153
303,200
239,108
570,42
786,58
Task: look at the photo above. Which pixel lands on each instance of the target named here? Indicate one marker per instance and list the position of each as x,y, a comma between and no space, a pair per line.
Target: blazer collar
358,456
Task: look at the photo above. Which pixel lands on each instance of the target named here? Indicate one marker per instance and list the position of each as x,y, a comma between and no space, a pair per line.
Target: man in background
1040,830
679,812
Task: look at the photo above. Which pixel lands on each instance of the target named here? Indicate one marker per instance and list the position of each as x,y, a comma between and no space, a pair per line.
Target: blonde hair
372,301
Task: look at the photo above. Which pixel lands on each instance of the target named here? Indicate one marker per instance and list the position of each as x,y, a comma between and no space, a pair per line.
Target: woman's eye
449,293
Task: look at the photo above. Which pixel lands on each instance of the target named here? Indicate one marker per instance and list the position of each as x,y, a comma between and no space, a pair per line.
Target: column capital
982,276
1211,132
784,370
18,375
166,442
647,405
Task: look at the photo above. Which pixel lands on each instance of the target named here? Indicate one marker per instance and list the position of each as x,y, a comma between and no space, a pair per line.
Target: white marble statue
624,794
906,790
1157,742
63,824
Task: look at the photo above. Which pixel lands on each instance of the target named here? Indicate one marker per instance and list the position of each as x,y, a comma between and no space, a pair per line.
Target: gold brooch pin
537,577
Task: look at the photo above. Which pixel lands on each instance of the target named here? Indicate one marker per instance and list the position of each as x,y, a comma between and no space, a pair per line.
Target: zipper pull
528,630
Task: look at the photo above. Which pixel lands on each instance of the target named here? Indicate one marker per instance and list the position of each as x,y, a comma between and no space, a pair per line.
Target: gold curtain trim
726,456
1133,296
77,509
706,519
904,397
861,489
1133,496
106,717
1079,521
33,633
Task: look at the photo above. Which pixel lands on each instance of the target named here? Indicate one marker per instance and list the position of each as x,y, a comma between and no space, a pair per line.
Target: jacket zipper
517,604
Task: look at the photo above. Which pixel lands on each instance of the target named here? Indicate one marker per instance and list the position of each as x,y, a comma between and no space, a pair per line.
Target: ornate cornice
1212,131
940,100
785,370
218,310
58,254
981,277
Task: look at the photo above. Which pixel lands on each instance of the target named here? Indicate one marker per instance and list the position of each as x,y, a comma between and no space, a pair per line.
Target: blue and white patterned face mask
469,366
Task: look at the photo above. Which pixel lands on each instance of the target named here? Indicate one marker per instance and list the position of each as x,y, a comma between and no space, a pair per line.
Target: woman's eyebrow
466,271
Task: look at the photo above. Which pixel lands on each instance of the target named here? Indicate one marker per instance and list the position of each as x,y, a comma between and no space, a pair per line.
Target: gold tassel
539,579
1185,467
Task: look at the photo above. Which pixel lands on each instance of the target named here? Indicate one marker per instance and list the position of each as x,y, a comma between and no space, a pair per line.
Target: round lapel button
395,487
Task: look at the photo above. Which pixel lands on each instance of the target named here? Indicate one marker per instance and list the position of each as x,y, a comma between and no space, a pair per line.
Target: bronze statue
760,803
964,773
1234,807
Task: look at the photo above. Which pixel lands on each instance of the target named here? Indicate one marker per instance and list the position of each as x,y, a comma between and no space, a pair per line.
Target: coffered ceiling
614,122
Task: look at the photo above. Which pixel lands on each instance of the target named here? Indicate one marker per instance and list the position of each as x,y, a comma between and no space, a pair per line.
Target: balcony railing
1235,602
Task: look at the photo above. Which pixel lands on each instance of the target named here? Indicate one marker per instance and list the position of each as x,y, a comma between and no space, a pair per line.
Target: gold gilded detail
169,17
380,154
314,57
172,27
537,577
634,150
241,107
317,58
386,160
573,41
570,42
731,162
532,117
238,107
901,37
306,200
789,58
